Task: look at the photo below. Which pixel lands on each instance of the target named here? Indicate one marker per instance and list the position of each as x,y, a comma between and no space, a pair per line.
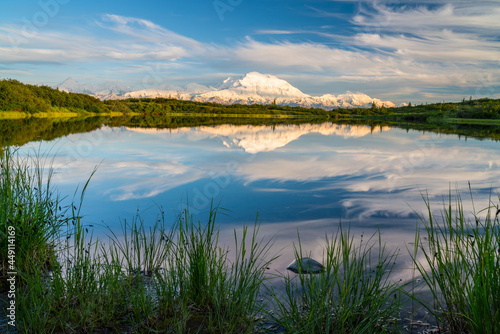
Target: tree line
16,96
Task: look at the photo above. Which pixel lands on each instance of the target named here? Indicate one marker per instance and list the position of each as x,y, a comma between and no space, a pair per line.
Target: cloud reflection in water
292,174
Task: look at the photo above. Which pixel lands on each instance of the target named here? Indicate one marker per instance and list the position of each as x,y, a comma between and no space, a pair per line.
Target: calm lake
303,178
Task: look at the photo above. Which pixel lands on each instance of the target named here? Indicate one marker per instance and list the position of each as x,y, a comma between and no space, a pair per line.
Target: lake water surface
298,178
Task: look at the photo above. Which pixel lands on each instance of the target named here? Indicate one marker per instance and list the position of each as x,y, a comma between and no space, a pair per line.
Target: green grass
81,295
352,295
204,286
57,113
181,279
30,206
13,115
472,121
177,279
197,290
462,267
140,250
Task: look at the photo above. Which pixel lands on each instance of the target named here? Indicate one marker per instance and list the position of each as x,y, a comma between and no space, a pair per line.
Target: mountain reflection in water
306,177
255,139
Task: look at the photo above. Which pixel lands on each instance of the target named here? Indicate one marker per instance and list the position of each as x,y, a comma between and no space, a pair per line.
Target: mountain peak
259,76
264,85
253,87
68,81
70,85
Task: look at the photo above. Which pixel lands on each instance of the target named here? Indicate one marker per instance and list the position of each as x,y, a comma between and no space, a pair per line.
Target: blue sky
396,50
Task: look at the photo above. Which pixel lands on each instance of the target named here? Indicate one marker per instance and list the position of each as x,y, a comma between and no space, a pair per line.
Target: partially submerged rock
306,265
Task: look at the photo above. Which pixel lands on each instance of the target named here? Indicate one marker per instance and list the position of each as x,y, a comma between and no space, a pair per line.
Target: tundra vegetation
30,100
33,113
149,277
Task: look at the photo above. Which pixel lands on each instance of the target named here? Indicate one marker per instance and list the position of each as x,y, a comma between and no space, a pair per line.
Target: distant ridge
102,92
251,88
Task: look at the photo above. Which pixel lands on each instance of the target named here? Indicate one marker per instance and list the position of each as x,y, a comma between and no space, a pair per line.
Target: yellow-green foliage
19,97
15,96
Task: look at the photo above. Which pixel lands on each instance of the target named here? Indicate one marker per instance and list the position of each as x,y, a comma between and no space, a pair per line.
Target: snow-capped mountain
250,88
71,86
195,88
263,85
102,91
164,90
111,92
347,100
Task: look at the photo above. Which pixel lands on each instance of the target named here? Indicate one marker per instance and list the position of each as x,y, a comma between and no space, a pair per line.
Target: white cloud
446,34
311,57
399,47
440,46
408,18
370,167
133,40
146,31
277,32
443,46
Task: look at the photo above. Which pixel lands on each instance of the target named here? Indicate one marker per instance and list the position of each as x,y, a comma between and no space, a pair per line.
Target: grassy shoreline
43,101
55,115
27,103
492,122
183,280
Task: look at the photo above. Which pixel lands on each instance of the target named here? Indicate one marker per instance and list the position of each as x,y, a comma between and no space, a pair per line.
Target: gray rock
308,266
